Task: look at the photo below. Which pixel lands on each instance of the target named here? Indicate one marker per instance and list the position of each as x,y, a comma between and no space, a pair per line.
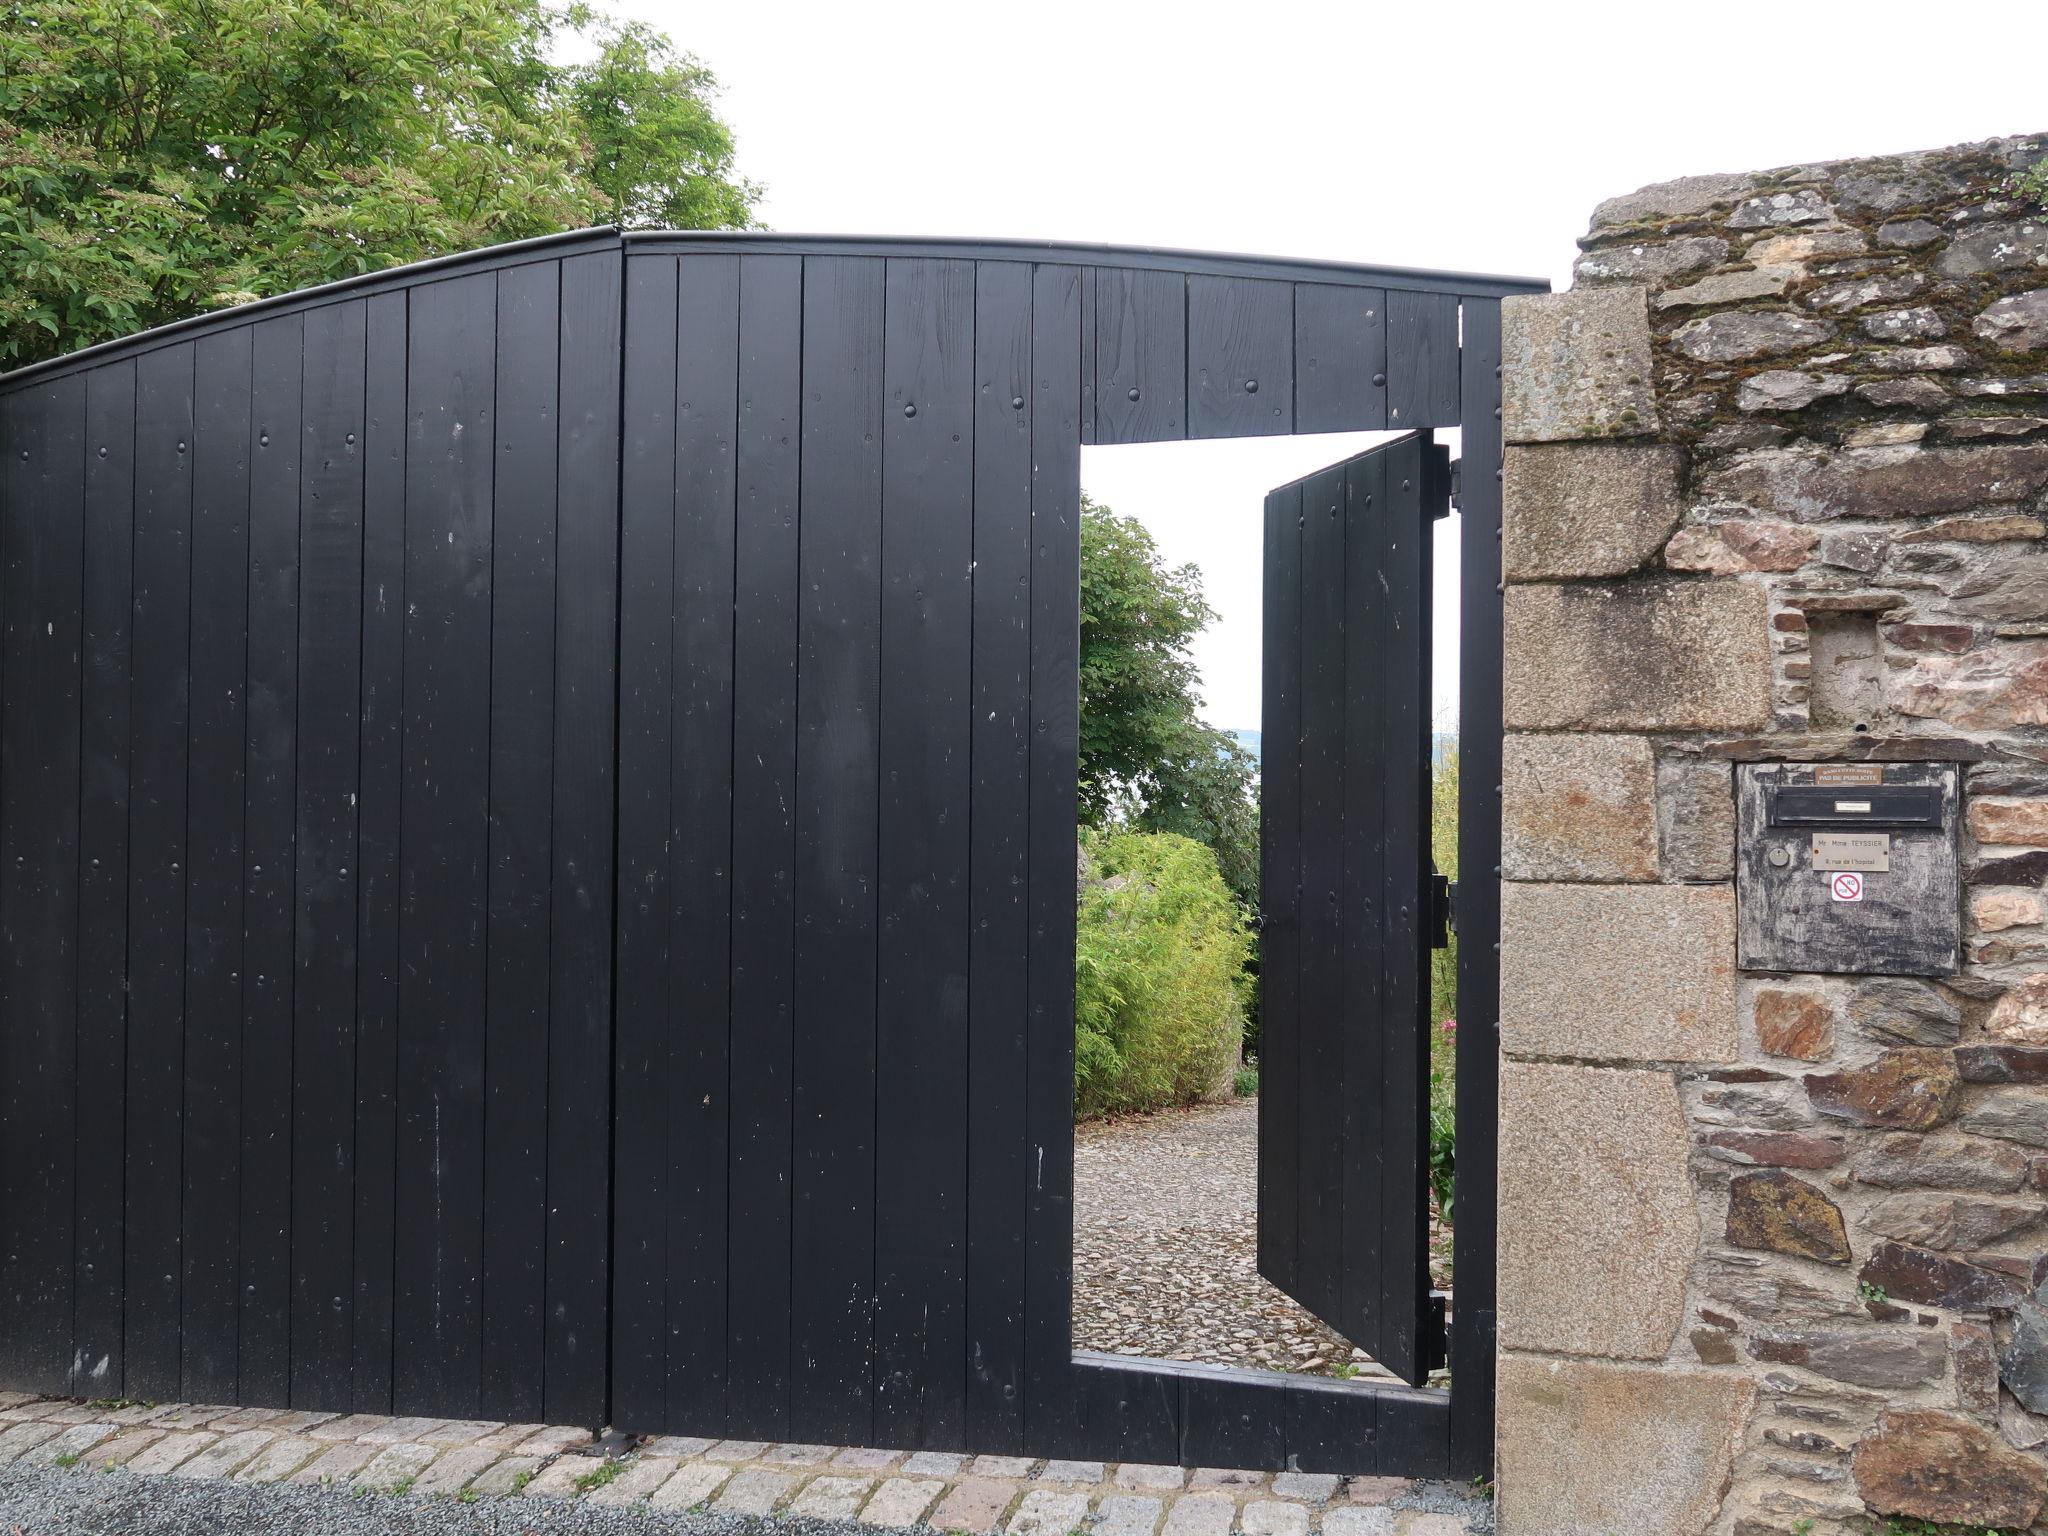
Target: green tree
1147,760
163,157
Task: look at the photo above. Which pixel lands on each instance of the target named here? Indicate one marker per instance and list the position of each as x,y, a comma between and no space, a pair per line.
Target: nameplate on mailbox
1866,852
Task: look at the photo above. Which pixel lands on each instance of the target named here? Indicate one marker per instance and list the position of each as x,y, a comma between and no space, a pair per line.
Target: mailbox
1848,867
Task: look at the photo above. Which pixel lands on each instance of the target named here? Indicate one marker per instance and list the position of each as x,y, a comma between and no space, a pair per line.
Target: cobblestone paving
361,1456
1166,1248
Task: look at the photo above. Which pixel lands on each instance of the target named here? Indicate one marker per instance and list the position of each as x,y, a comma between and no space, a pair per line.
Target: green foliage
1443,1123
1147,760
606,1471
1443,997
2032,184
159,158
1871,1295
1159,980
1443,844
1900,1525
1246,1082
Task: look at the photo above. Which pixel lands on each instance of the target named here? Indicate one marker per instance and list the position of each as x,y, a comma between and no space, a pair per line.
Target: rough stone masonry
1776,490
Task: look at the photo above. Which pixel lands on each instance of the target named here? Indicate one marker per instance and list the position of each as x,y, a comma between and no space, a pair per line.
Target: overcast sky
1476,137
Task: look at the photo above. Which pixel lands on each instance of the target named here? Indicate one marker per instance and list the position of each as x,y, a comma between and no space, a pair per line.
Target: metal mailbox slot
1849,868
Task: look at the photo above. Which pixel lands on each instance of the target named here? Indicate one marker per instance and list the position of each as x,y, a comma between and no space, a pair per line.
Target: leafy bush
1443,996
2032,183
1443,1116
1159,978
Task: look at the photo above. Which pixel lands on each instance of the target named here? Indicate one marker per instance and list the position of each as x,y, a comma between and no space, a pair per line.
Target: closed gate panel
305,785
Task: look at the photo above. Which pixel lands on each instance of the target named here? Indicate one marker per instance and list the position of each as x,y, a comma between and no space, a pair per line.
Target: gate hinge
1442,898
1436,1332
1457,478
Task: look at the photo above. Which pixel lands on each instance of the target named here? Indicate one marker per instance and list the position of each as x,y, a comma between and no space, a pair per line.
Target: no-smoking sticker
1846,887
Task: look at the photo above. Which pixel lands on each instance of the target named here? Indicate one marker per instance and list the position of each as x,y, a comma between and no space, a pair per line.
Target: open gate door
1349,899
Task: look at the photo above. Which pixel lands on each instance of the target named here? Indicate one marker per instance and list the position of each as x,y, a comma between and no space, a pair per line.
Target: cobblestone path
423,1464
1166,1248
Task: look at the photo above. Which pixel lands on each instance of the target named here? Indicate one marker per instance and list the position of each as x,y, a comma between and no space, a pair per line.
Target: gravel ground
1166,1248
46,1501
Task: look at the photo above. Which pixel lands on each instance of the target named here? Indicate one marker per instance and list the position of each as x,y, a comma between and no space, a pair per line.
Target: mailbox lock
1780,858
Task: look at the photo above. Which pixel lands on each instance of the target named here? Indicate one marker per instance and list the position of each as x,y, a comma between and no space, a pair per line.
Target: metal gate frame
73,1278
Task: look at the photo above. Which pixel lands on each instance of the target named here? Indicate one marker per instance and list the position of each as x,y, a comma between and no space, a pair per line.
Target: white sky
1475,136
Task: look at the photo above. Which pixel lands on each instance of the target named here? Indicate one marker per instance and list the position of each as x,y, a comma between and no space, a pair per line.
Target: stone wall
1777,489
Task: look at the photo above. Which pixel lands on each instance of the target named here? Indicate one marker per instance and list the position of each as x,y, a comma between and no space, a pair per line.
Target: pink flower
1449,1026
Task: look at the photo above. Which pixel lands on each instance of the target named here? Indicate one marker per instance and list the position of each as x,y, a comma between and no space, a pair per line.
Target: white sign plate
1846,886
1868,853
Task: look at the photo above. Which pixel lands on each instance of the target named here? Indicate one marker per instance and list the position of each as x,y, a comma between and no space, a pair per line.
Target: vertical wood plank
103,875
1050,1414
1240,357
1414,472
999,812
444,846
269,827
1323,919
156,881
1141,352
516,1123
838,684
1372,647
1340,358
764,842
580,957
1089,284
1280,887
325,873
701,858
1422,360
646,1018
926,631
43,543
1478,904
383,602
211,1222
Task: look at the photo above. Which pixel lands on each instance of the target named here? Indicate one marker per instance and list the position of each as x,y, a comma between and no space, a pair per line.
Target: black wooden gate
1345,894
536,815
